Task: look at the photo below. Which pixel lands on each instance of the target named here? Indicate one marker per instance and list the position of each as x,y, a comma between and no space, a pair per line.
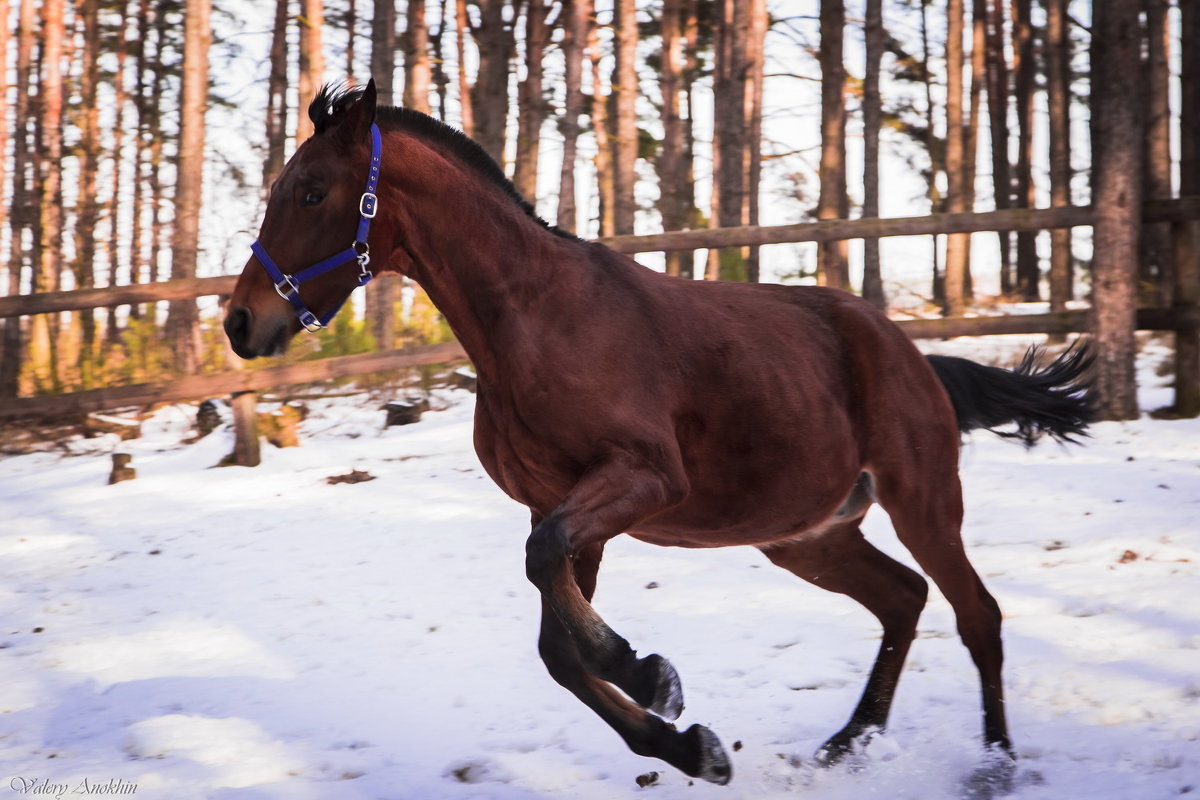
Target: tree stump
121,471
403,412
280,427
208,418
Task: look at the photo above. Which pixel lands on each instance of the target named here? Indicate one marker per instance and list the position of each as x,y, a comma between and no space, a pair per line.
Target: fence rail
1036,219
1184,318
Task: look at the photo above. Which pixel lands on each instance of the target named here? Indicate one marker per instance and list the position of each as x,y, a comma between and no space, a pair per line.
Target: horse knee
546,553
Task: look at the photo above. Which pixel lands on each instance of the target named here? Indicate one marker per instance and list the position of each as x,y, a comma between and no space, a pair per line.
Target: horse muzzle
269,339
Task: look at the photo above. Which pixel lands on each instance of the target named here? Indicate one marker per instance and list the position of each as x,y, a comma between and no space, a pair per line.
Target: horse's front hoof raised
712,762
660,690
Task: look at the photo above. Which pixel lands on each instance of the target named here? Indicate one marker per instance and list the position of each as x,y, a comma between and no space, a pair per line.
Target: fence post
245,429
1186,240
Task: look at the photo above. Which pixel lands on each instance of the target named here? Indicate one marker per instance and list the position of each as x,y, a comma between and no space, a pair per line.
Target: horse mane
332,100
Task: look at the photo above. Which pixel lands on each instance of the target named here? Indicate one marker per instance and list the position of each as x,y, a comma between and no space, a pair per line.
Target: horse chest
520,462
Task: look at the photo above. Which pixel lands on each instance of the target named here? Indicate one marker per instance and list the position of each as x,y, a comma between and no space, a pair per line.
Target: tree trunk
462,28
574,16
531,104
384,291
752,66
599,120
18,218
417,75
437,43
351,24
957,244
116,219
1117,195
872,289
312,63
936,153
89,209
729,132
277,97
43,345
1025,69
183,318
971,137
625,130
1058,91
383,49
997,92
1187,254
671,203
1154,264
691,70
494,37
832,269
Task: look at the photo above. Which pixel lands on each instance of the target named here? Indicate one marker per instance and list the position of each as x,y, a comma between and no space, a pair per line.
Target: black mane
332,100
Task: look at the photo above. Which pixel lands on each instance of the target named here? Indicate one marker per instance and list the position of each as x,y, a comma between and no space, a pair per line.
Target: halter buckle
310,322
368,204
291,285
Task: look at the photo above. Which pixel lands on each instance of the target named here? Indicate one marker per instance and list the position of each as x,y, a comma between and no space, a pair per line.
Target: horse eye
313,198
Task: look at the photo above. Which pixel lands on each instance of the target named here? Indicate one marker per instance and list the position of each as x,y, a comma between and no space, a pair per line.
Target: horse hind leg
696,752
928,521
842,561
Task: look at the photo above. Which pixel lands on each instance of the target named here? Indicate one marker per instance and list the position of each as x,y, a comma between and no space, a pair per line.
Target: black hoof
841,745
659,689
712,761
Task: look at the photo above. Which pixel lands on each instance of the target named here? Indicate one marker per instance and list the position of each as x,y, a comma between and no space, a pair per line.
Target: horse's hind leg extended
696,751
842,561
928,520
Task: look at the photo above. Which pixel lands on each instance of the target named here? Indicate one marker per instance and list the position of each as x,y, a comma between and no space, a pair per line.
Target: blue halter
288,286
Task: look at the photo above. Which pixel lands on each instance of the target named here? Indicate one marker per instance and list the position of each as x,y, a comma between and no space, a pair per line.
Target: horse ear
356,124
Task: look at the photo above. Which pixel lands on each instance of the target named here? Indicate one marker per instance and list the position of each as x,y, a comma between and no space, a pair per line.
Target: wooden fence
1183,317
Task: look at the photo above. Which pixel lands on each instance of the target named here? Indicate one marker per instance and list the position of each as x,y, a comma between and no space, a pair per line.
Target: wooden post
1186,255
121,471
245,430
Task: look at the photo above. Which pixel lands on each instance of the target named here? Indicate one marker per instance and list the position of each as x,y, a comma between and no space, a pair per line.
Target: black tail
1056,399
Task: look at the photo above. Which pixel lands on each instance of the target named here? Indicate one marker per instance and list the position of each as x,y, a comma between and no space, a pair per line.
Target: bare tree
88,203
1117,198
1025,70
998,94
1187,272
872,289
1058,91
672,204
461,28
599,119
312,62
383,49
624,119
574,18
957,244
18,218
183,318
277,97
1154,264
833,201
531,102
495,38
417,75
43,344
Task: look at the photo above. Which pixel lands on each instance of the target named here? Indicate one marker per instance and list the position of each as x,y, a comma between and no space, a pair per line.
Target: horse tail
1056,399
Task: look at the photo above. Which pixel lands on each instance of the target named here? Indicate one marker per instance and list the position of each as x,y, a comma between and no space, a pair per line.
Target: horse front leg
581,651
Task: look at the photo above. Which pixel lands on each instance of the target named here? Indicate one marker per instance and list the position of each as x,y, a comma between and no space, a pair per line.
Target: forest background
139,138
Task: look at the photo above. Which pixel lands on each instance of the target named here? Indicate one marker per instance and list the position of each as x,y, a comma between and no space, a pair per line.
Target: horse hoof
841,745
994,778
713,762
667,698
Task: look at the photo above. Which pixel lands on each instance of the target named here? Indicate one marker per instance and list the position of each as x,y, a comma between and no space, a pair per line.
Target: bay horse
614,399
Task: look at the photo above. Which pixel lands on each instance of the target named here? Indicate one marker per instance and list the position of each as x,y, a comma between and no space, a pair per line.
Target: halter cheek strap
288,286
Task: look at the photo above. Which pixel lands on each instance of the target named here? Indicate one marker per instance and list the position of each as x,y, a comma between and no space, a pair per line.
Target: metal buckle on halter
310,322
368,204
293,288
364,258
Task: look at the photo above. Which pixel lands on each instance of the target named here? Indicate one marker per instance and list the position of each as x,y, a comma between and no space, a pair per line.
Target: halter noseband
288,286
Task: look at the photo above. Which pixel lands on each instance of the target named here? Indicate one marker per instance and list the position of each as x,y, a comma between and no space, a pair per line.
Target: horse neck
489,267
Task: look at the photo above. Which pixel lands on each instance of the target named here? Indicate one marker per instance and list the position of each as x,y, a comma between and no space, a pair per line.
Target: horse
613,399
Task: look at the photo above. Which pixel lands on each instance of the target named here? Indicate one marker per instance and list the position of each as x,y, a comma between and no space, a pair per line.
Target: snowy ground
234,633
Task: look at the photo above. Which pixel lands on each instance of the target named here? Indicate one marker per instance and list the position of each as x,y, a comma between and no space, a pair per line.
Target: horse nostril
237,326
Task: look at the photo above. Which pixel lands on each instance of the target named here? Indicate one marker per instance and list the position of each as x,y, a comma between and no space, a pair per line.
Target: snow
260,633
